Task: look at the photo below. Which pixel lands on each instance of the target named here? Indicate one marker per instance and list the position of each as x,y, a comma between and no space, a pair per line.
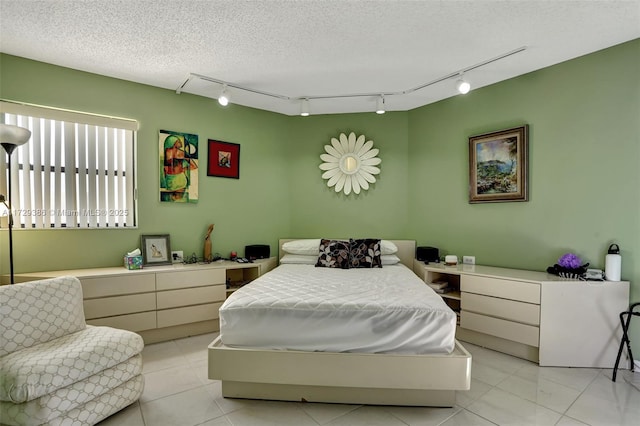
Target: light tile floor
504,391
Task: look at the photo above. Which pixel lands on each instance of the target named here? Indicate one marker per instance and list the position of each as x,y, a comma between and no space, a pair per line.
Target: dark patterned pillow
333,254
364,253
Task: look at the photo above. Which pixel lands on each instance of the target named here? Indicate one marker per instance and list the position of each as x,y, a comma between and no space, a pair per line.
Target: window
77,170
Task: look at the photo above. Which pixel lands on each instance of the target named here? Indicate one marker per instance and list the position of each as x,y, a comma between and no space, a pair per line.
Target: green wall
584,152
252,209
317,210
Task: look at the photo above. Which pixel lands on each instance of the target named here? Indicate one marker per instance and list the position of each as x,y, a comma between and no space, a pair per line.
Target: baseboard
179,331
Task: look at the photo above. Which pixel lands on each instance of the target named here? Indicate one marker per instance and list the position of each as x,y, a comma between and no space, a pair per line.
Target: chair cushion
103,406
39,311
39,370
58,403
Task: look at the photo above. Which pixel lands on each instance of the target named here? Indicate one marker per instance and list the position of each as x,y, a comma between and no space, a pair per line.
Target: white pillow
389,259
299,259
310,247
387,247
304,247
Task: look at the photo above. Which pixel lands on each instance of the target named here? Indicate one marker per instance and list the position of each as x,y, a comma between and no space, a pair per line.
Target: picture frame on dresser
156,249
498,166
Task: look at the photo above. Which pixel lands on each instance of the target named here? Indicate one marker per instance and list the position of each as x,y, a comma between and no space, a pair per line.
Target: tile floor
504,391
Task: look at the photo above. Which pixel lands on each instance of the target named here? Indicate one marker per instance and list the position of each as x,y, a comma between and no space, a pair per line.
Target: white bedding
301,307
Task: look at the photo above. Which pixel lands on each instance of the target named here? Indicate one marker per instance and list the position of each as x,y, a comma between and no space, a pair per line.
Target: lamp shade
12,136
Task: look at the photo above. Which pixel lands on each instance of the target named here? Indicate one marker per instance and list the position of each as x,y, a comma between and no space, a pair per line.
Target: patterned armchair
55,369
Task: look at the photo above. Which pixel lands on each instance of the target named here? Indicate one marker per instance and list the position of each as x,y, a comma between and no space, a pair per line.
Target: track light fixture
223,99
304,107
380,105
463,86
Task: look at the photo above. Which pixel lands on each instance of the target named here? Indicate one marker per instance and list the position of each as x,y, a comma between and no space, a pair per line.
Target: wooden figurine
207,244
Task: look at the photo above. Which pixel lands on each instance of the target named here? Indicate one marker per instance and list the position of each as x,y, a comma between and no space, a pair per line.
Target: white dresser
161,302
534,315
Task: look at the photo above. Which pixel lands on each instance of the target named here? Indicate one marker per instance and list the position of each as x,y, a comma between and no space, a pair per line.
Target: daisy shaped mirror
349,163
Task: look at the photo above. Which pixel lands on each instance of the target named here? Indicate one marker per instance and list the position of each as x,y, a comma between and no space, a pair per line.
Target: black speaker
427,254
257,251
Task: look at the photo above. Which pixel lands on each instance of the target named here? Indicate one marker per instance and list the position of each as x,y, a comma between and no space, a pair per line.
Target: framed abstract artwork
178,167
223,159
498,166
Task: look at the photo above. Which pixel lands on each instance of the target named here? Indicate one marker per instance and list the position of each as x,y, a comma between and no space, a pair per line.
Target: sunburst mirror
350,163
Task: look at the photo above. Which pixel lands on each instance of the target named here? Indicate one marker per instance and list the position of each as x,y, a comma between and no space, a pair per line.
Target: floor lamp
10,138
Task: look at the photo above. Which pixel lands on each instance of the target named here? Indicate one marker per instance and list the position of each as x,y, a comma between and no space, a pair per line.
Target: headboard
406,249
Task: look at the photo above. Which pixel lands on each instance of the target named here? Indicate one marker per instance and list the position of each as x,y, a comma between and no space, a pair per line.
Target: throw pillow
333,254
364,253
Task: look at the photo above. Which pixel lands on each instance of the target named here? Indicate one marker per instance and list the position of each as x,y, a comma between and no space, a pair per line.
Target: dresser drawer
189,314
506,289
117,285
509,330
132,322
191,296
182,279
501,308
118,305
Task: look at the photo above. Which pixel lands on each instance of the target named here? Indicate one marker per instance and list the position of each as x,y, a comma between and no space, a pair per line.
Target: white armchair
55,369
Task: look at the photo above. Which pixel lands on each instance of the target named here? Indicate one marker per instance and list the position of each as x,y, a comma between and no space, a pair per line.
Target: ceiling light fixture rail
456,74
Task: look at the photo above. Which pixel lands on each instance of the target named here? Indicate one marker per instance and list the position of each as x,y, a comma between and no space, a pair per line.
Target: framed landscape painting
498,166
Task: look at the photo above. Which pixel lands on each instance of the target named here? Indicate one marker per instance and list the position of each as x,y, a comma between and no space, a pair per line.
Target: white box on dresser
535,315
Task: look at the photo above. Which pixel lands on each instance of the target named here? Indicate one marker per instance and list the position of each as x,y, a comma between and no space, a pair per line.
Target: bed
420,364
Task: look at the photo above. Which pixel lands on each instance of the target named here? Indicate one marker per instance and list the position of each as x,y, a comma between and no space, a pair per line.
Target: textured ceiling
312,48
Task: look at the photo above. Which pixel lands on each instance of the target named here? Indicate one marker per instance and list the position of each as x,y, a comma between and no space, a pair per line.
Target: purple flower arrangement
569,266
570,261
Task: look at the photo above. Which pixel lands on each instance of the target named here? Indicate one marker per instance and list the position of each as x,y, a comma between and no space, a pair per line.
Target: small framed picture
156,249
498,166
223,159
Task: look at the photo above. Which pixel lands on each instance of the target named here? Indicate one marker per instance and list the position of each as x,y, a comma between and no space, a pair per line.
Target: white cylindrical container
613,263
451,260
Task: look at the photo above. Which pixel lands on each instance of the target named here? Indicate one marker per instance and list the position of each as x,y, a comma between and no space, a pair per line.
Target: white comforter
301,307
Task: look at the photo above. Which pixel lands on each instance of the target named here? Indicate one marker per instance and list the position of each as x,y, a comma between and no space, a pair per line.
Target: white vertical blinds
76,171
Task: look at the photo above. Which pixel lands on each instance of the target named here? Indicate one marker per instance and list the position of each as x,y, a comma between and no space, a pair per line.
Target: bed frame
353,378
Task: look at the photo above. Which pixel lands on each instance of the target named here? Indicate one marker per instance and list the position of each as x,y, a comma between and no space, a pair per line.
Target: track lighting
380,105
223,99
304,107
463,86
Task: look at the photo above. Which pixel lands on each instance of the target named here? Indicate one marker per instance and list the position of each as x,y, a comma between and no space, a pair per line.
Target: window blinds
76,171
